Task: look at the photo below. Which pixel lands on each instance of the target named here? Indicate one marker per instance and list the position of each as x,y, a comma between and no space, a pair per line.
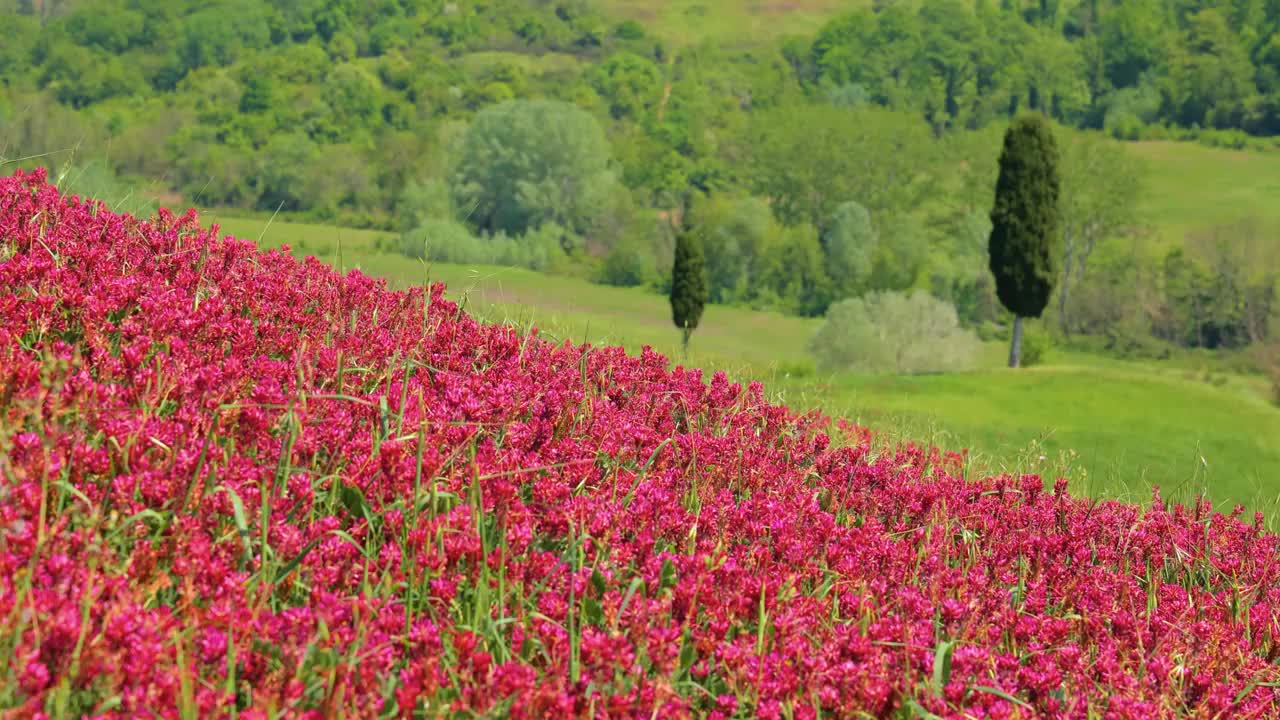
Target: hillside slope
237,480
1113,427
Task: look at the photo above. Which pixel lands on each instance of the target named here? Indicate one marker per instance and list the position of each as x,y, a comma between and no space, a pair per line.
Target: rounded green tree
526,163
688,285
1023,247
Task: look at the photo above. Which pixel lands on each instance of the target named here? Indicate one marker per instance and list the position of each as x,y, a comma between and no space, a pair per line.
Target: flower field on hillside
233,483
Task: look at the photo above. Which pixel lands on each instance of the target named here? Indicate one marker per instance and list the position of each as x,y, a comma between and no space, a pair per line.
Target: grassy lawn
1191,186
533,64
1114,428
687,22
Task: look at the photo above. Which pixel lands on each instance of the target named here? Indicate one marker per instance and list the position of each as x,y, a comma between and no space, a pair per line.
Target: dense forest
552,135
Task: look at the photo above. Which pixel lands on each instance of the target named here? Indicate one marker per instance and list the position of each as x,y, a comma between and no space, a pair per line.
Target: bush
451,242
1035,344
1124,125
629,264
991,331
442,240
893,332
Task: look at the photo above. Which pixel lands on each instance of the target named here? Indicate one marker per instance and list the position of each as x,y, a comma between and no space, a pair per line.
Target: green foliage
902,252
528,162
735,234
628,264
257,95
850,243
438,239
1036,343
1221,290
1211,78
353,97
1025,235
631,84
1101,184
688,284
810,158
792,276
451,242
893,332
422,201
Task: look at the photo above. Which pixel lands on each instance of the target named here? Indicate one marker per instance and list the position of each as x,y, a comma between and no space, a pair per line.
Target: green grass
532,64
738,22
1191,186
1114,428
310,239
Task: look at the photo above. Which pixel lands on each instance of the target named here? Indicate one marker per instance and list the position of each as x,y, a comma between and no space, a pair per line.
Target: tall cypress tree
688,285
1024,223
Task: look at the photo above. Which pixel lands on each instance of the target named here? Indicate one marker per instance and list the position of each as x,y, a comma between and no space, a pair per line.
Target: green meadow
742,22
1191,186
1113,428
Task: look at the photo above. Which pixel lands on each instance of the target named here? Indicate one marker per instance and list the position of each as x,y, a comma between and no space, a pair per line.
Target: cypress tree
1024,241
688,285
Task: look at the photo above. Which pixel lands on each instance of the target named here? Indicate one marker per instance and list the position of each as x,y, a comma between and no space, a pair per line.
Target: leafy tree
850,244
1134,39
630,83
112,29
808,159
257,93
953,41
1100,191
1221,290
1054,77
628,264
527,162
1211,78
353,98
1025,240
282,177
901,253
735,233
422,201
218,35
688,286
792,276
880,51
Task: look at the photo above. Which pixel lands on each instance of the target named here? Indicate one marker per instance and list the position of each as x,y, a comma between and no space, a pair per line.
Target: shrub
893,332
629,264
1035,345
1124,126
442,240
451,242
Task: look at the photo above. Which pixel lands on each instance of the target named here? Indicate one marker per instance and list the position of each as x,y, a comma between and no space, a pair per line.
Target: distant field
1115,428
1191,186
534,64
310,239
686,22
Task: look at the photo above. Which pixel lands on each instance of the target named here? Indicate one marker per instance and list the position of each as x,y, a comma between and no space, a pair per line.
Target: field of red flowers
235,484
